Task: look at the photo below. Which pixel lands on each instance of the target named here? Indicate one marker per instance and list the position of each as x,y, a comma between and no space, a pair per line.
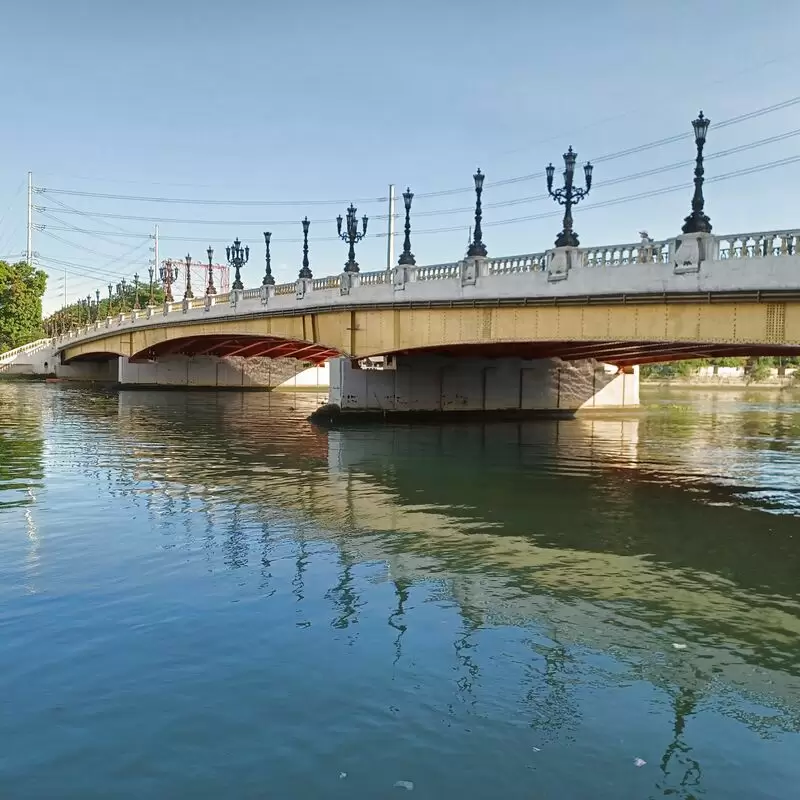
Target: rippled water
203,596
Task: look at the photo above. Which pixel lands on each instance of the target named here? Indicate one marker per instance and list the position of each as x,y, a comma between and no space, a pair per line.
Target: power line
439,212
255,203
612,201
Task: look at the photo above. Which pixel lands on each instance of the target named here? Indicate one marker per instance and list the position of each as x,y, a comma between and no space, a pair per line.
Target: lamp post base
351,266
567,239
696,222
477,250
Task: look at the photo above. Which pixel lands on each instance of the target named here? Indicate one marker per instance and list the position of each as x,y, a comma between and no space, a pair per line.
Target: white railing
643,252
535,262
30,347
758,245
436,272
370,278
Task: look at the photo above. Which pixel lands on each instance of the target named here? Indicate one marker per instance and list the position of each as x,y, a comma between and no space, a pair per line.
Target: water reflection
572,556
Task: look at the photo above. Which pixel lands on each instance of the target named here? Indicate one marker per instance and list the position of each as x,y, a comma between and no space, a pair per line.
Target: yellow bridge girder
360,331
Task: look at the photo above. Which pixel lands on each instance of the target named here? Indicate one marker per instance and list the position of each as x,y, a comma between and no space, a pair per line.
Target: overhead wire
440,193
440,212
490,223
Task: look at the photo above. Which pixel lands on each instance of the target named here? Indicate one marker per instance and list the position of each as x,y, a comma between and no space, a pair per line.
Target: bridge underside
238,346
620,353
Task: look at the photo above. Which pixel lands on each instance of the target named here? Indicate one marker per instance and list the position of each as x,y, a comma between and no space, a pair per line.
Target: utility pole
65,288
390,245
156,250
29,248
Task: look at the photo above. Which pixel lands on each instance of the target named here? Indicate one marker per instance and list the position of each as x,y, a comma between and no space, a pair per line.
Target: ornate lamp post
210,289
305,272
188,294
110,300
168,274
88,309
97,304
237,258
697,221
351,235
407,257
268,279
477,247
136,305
151,300
121,287
569,195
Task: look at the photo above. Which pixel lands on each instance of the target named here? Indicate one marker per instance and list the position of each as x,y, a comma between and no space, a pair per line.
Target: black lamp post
121,287
88,309
136,305
305,272
238,256
110,300
351,235
697,221
477,247
407,257
151,300
188,294
97,311
210,289
268,279
168,274
569,195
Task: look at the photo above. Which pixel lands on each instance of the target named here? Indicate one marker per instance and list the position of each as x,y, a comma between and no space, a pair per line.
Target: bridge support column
430,385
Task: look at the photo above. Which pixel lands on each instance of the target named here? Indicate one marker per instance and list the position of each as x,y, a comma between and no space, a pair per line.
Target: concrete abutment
430,386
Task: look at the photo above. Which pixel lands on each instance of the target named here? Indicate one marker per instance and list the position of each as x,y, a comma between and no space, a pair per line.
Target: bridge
527,331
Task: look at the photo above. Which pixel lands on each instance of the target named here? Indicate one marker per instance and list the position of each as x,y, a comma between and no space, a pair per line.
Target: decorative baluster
784,245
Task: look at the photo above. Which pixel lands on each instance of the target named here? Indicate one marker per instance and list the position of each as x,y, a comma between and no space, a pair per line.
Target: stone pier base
417,387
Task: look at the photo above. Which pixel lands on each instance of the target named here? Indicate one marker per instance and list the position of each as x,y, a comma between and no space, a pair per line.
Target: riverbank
725,383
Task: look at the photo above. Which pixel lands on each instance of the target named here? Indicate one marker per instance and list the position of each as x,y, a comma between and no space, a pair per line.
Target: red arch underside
241,346
622,354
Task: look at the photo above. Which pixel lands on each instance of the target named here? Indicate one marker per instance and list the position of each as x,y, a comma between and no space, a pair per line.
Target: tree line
21,289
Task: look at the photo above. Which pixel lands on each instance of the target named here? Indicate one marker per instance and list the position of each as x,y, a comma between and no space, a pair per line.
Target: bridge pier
430,386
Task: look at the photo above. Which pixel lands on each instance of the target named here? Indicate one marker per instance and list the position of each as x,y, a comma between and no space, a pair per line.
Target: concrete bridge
531,331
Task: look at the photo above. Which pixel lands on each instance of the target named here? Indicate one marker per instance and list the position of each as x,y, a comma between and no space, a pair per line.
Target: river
203,596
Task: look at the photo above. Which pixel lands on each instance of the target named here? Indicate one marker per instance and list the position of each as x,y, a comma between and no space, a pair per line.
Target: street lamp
136,305
697,221
477,247
352,235
151,300
210,289
88,309
168,274
188,294
407,257
305,272
121,287
97,297
569,195
237,258
268,279
110,300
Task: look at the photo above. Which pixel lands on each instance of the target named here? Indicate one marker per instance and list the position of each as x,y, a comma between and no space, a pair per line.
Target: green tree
21,290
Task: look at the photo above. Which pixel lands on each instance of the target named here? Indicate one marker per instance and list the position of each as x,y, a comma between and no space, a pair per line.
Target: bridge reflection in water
512,516
574,553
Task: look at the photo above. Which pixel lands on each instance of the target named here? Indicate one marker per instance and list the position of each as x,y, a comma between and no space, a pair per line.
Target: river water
203,596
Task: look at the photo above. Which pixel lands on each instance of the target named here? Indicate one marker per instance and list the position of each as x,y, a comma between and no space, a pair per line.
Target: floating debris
404,785
639,762
342,775
679,646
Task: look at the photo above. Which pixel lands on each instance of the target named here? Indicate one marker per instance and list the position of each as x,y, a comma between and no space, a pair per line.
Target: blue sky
321,101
